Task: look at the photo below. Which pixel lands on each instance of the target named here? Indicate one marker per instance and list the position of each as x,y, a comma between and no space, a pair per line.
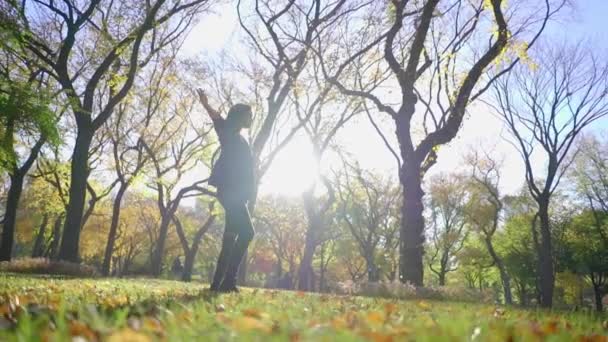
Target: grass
54,309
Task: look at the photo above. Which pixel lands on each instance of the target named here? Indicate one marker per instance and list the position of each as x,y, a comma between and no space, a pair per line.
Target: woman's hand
214,114
202,97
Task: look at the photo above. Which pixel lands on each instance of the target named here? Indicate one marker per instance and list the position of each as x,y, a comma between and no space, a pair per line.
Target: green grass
39,308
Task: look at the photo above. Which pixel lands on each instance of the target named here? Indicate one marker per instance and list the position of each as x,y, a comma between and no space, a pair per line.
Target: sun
292,172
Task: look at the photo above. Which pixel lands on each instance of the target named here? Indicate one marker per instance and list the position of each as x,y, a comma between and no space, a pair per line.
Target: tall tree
548,108
135,119
121,37
366,203
27,118
587,253
485,208
449,231
179,150
281,33
437,54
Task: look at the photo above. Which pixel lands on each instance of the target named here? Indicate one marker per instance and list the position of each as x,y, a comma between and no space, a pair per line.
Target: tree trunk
55,238
38,248
504,276
598,294
545,255
105,269
442,278
372,269
157,256
10,216
412,226
305,273
523,294
78,188
191,253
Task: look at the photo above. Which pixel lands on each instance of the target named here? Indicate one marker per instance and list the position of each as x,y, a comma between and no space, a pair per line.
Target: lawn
49,309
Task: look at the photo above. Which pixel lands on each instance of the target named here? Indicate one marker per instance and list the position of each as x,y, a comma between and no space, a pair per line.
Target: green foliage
23,110
586,244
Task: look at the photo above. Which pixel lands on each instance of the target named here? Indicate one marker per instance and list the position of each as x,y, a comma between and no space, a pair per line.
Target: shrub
47,266
396,289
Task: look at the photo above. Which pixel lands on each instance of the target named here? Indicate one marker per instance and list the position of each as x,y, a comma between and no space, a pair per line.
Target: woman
233,177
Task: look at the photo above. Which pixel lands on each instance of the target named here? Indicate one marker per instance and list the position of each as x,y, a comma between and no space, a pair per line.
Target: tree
190,250
515,243
180,148
485,208
136,118
366,203
281,225
548,108
590,174
439,61
281,34
121,38
321,128
26,118
447,202
587,251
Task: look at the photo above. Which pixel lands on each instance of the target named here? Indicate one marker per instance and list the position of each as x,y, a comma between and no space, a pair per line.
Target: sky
290,173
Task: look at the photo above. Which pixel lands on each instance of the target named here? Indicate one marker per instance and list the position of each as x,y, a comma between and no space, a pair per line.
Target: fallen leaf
551,327
377,336
252,313
389,308
375,317
593,338
499,312
245,323
424,305
128,335
78,328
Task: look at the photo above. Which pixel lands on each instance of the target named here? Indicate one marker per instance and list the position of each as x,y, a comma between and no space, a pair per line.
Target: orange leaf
246,323
377,337
80,329
375,317
389,308
252,313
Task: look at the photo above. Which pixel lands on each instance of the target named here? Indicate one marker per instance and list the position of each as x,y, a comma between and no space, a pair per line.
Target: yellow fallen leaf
424,305
128,335
246,323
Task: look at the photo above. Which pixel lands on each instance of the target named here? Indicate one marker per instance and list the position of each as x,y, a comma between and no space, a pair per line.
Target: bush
47,266
396,289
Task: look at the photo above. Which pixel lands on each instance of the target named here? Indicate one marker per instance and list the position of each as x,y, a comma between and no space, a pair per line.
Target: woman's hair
238,115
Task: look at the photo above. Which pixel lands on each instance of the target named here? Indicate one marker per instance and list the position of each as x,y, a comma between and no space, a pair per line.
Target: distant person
233,176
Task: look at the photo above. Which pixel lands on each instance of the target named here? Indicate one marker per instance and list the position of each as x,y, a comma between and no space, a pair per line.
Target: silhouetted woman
233,177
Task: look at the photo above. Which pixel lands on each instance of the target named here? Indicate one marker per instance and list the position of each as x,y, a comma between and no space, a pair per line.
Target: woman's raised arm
214,114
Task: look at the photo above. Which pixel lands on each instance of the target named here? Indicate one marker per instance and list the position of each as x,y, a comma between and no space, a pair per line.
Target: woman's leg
242,222
228,242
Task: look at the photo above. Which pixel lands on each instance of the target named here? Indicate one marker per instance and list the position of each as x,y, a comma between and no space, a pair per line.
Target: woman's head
239,116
